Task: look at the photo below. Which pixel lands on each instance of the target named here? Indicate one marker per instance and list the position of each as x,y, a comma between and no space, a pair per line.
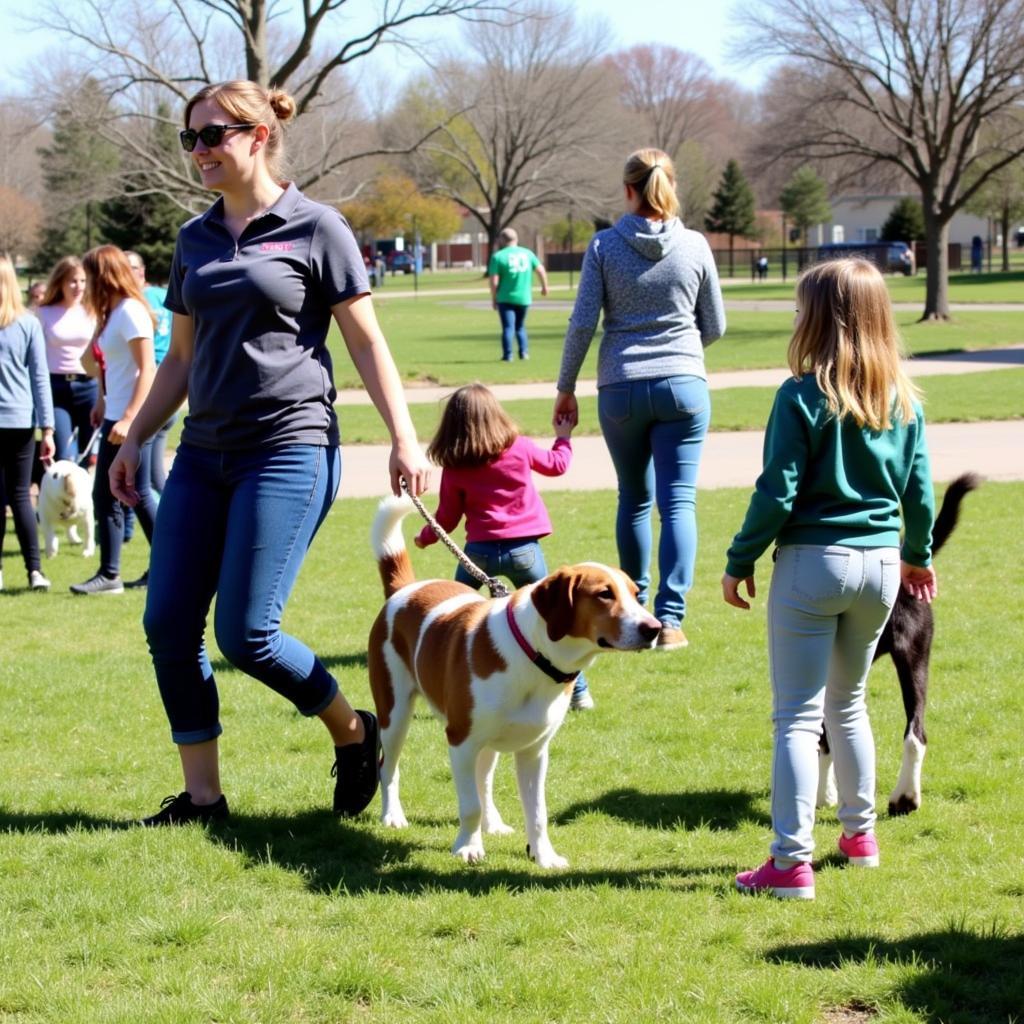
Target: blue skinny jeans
513,325
238,525
655,432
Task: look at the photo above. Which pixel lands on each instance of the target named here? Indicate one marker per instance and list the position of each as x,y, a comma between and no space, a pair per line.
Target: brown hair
473,431
653,175
847,338
63,269
109,280
249,103
11,306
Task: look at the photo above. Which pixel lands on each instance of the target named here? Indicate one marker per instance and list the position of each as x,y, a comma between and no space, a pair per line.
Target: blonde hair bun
282,104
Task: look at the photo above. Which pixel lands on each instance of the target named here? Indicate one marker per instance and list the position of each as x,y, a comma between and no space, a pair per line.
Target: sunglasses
212,135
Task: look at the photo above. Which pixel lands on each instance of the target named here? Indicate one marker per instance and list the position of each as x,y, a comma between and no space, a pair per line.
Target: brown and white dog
497,672
65,497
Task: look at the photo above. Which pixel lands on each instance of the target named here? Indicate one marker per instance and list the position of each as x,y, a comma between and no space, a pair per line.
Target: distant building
859,218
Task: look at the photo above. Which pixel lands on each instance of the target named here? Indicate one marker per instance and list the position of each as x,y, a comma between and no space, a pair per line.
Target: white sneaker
37,581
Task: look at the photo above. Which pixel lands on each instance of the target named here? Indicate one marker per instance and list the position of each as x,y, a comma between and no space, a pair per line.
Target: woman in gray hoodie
656,284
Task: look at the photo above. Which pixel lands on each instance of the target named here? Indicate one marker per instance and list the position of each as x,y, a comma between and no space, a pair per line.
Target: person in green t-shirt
511,271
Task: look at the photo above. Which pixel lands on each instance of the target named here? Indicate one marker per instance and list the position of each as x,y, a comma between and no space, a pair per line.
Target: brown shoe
671,638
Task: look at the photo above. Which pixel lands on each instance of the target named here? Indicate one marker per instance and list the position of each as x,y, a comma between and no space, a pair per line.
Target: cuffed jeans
655,432
513,325
238,525
827,607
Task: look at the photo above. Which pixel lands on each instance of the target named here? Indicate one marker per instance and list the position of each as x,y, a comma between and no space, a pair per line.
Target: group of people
254,285
80,362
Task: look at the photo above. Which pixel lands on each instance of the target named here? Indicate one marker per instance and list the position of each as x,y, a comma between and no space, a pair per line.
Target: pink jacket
498,499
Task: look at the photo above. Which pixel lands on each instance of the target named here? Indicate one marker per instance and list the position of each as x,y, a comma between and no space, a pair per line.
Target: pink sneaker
795,883
861,849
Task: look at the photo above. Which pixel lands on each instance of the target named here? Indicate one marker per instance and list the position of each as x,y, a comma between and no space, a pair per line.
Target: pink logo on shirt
277,247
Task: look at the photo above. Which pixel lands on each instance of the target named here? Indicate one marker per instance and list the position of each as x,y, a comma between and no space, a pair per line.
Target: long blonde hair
11,306
249,103
652,174
846,336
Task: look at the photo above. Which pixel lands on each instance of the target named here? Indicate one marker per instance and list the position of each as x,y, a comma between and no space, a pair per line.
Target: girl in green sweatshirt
845,461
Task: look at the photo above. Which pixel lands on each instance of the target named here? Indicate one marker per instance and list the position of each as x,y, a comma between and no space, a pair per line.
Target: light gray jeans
827,608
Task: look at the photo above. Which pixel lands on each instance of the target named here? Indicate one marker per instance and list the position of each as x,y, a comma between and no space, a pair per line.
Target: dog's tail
945,521
389,545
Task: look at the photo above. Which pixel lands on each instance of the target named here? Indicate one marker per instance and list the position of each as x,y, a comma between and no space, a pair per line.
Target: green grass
656,798
989,395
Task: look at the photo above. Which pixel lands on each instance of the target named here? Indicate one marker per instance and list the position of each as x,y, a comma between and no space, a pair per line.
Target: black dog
907,639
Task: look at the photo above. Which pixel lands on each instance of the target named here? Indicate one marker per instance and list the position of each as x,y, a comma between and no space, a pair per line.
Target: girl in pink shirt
487,477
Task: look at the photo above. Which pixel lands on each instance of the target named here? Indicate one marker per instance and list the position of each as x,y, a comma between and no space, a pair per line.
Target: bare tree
908,83
528,118
669,90
162,51
20,220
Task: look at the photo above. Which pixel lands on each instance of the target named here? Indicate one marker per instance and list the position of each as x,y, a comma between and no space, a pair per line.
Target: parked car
401,263
889,257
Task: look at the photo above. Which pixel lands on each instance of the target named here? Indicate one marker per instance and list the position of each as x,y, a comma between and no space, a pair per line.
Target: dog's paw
903,803
73,537
51,550
494,825
545,857
394,819
469,851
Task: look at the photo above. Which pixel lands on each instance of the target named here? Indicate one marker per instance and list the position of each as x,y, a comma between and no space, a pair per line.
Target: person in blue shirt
25,404
845,460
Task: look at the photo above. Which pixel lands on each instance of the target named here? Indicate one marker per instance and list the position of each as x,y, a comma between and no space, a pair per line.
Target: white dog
65,496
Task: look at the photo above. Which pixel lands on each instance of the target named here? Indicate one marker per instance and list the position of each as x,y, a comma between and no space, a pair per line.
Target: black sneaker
140,584
99,584
179,810
356,770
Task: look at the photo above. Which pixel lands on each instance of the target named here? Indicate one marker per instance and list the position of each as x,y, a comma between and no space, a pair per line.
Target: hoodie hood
652,239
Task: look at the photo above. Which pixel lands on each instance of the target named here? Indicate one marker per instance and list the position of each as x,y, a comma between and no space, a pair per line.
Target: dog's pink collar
535,656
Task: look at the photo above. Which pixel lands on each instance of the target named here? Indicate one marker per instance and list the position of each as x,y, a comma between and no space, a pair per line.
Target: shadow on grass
956,976
337,856
55,822
714,808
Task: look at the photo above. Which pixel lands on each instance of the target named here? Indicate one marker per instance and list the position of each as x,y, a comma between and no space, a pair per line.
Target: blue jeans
827,607
521,561
238,525
655,432
110,513
72,403
513,324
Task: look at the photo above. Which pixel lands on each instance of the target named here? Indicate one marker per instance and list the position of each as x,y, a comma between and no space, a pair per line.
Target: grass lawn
657,798
991,395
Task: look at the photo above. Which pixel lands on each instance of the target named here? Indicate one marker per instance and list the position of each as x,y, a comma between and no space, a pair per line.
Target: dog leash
494,585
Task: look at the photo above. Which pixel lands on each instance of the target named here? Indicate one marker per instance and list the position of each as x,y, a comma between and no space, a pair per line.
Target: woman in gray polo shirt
254,284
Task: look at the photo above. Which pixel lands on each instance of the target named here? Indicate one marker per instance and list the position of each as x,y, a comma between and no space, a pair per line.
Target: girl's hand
920,583
566,409
408,463
119,431
563,427
731,590
122,473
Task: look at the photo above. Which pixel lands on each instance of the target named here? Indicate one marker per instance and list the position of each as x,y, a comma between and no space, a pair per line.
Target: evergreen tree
905,222
804,200
144,218
78,170
732,210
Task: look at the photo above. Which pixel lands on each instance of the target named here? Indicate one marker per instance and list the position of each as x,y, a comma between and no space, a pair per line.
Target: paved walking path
732,458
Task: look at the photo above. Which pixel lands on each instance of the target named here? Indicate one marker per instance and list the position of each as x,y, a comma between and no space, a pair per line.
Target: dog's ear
554,597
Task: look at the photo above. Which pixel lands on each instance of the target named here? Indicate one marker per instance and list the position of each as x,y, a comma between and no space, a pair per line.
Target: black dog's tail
945,521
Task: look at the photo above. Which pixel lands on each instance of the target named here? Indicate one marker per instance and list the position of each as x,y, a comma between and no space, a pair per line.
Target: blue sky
702,26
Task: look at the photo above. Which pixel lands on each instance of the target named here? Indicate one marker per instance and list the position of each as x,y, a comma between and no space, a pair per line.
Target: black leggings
17,451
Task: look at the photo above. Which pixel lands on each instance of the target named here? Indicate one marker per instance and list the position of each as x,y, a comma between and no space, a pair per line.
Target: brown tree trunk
936,237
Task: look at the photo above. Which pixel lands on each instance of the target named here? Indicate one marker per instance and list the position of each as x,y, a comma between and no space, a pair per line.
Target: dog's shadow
712,808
